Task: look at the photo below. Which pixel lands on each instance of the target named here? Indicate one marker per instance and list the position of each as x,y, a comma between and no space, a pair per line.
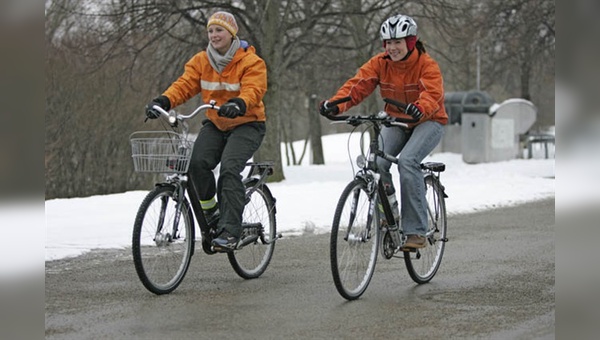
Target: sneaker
225,242
212,216
414,242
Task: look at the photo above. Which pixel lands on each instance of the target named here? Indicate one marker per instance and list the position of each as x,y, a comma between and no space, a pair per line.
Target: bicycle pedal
246,241
207,247
256,225
216,249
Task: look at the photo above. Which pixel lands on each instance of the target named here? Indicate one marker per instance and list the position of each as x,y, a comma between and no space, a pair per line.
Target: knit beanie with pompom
224,19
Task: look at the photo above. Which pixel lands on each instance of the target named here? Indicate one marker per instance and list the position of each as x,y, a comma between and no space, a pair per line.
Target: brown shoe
413,242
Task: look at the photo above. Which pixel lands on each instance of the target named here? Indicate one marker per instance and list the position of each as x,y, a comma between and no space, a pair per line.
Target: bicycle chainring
388,245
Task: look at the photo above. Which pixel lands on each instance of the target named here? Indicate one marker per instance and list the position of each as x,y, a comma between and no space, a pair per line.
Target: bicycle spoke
260,227
424,264
353,253
161,259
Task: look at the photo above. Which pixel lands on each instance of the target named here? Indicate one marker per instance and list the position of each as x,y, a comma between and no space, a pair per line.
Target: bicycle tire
424,264
354,243
252,260
162,262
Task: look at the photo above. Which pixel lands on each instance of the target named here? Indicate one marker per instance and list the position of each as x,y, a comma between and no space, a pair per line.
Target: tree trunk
314,122
270,149
525,78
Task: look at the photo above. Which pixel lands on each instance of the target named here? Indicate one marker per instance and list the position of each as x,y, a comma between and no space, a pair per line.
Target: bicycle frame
370,174
356,237
258,172
164,232
184,183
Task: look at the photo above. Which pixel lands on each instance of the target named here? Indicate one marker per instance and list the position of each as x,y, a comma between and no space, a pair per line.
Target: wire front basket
160,151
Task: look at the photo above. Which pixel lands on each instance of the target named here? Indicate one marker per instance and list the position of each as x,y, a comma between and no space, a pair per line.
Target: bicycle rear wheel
354,241
162,243
423,264
258,232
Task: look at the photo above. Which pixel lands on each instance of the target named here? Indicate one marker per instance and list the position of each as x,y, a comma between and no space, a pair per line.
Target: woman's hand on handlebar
162,101
414,110
328,109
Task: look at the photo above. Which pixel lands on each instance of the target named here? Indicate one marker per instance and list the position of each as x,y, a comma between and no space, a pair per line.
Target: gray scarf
218,61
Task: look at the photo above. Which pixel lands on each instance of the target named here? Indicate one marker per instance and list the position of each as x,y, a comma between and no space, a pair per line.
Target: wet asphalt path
496,281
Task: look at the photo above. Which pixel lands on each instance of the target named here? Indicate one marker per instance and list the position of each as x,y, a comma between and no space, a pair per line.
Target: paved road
496,281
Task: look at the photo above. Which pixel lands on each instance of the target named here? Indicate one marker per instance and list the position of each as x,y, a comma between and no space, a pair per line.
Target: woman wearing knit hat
230,72
405,73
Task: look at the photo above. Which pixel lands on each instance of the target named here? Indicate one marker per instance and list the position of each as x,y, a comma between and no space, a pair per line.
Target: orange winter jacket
244,77
417,79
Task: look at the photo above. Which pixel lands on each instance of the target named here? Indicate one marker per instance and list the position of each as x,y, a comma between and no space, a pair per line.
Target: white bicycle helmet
397,27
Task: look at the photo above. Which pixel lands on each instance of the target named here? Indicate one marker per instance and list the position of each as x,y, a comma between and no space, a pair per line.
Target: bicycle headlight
382,114
361,161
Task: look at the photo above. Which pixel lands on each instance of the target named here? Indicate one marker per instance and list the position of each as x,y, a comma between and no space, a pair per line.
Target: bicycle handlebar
173,119
382,116
340,101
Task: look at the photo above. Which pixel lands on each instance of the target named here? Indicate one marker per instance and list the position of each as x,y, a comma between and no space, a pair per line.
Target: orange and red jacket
244,77
417,80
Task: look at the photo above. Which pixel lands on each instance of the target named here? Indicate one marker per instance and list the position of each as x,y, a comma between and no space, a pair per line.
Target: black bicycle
359,226
163,233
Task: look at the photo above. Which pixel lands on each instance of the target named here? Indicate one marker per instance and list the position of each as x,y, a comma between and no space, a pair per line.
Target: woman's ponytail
420,47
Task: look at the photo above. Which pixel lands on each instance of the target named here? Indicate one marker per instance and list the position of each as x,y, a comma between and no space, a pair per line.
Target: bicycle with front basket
164,235
359,232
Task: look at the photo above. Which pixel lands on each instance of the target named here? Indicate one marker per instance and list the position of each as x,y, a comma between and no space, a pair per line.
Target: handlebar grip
340,101
160,110
397,104
402,107
334,103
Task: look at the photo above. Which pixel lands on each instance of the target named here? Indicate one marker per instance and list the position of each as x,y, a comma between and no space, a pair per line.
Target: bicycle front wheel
163,240
423,264
354,241
258,233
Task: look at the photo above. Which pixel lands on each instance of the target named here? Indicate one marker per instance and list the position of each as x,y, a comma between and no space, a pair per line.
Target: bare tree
104,62
89,114
524,33
503,47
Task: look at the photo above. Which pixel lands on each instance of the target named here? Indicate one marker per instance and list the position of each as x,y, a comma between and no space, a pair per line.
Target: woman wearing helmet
404,72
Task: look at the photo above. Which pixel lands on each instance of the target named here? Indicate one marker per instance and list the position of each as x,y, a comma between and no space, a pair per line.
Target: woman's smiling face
219,38
396,48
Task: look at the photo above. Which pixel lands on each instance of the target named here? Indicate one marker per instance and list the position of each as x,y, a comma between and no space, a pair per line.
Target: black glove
234,107
414,110
325,109
161,101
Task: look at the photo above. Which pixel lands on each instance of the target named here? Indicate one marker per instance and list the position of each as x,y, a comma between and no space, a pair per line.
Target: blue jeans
411,147
232,149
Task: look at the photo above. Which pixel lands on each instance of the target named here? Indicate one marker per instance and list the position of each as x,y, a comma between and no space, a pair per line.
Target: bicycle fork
162,238
179,197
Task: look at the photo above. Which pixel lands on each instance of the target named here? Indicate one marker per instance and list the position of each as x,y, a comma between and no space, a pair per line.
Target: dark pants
232,149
